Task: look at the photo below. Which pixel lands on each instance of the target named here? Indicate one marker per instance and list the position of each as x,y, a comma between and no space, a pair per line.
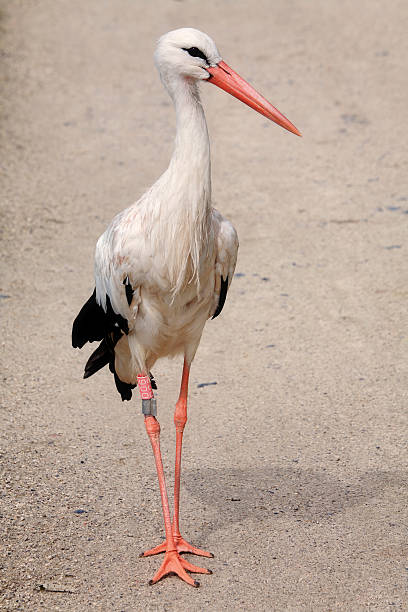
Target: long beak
227,79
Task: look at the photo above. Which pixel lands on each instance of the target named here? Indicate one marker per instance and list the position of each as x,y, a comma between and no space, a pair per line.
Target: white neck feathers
183,193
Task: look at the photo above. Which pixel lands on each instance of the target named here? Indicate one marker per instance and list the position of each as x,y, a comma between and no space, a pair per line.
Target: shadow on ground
235,495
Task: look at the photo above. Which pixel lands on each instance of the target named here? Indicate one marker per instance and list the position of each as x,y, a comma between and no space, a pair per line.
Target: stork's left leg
180,419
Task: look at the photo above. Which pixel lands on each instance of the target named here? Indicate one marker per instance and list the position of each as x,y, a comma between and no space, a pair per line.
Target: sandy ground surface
300,490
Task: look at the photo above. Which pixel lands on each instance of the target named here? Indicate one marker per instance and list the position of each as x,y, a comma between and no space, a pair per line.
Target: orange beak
224,77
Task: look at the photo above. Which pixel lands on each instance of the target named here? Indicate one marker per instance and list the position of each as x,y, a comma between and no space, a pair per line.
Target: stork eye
194,52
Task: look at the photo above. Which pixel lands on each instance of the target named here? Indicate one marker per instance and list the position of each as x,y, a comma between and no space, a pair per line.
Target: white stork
164,265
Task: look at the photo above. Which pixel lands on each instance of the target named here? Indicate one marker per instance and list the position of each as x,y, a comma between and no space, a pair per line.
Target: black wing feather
223,297
125,389
129,290
99,359
93,323
90,324
114,320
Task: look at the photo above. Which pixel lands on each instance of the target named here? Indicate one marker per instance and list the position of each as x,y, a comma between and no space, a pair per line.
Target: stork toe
185,547
160,548
174,564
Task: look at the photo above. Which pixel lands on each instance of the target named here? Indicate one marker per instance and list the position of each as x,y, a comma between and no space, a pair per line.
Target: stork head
191,55
186,52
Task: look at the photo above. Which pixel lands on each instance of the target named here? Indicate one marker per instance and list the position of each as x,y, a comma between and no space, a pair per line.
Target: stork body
164,265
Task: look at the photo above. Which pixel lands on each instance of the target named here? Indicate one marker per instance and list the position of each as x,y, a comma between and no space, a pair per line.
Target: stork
164,265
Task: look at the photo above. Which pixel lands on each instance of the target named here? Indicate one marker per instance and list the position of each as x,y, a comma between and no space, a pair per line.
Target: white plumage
171,244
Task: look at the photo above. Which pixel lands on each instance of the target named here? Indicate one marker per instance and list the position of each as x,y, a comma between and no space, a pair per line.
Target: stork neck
185,189
192,145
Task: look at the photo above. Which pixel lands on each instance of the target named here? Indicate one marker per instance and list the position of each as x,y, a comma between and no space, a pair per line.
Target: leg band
145,387
149,407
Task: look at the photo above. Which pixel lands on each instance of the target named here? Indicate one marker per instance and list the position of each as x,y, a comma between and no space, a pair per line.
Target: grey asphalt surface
295,462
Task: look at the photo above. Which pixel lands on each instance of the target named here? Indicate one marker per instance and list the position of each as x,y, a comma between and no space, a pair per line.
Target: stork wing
226,258
111,310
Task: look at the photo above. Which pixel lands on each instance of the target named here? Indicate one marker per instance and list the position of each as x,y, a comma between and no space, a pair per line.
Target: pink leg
180,419
172,562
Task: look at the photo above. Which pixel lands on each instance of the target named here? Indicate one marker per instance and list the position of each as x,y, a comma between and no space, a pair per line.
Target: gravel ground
300,491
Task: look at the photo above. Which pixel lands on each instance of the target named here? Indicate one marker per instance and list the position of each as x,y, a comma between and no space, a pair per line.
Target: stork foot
182,547
174,564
